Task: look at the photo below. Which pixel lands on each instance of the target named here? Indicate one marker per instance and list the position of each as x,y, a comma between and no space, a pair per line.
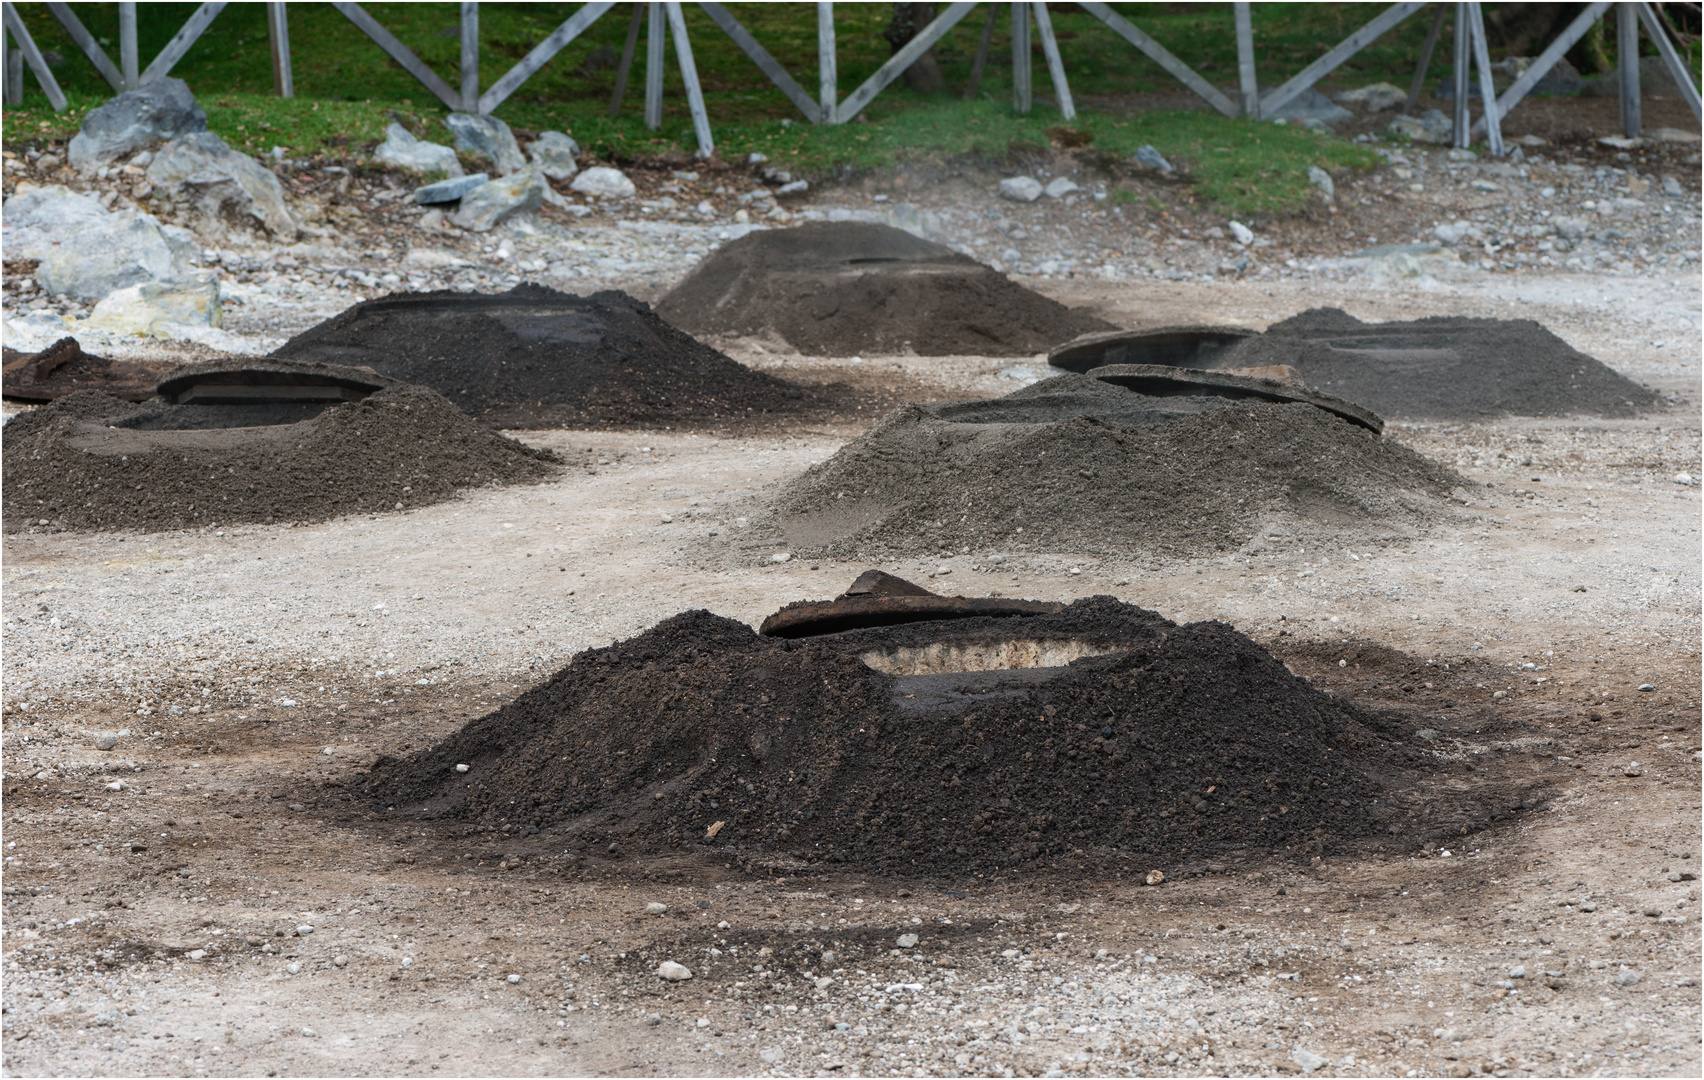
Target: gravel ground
223,912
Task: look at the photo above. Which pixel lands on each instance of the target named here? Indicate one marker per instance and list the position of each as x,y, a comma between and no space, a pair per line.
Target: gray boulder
1377,97
499,200
488,136
1149,158
139,119
401,148
223,189
1020,188
1308,108
554,154
603,182
87,253
1321,179
448,190
1430,126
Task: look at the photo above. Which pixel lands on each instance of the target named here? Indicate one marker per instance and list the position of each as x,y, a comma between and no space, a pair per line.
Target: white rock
794,187
197,954
403,149
1627,977
86,252
305,929
340,961
106,740
293,968
1377,97
499,200
1321,179
1307,1059
1020,188
1059,187
673,972
461,768
906,941
139,119
554,154
489,136
654,908
513,979
603,182
307,1032
1244,235
1684,479
159,309
222,187
117,785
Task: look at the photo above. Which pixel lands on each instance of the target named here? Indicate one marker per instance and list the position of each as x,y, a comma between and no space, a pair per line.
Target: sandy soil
161,927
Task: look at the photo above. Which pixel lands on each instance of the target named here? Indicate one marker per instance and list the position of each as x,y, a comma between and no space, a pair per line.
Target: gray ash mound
909,749
92,461
536,357
1443,367
1072,464
844,288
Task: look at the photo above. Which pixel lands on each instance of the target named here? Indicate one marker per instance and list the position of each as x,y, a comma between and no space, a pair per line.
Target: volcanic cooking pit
1062,737
266,441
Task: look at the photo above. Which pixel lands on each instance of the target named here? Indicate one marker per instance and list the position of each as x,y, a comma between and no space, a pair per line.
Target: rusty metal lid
269,382
881,599
1155,380
1169,345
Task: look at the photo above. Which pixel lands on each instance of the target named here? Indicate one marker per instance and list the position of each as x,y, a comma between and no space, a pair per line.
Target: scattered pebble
654,908
513,979
1155,877
906,941
673,972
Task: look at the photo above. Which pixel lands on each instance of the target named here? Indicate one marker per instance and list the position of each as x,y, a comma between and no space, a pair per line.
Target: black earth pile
844,288
1443,367
1176,742
1072,464
535,357
92,461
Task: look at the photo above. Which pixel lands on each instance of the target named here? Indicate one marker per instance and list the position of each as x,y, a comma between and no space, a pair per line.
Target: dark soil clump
1443,367
844,288
1162,743
91,461
535,357
1072,464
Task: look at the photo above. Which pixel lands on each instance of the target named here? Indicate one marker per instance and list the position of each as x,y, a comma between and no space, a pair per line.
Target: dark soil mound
843,288
91,461
1161,742
1072,464
1442,368
535,357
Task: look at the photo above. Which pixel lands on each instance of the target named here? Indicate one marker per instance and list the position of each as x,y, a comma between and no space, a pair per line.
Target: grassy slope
347,88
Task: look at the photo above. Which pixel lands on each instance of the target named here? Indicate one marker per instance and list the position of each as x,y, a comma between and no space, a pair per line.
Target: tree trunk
924,74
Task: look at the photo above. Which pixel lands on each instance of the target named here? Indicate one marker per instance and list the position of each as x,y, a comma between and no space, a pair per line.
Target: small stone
796,187
769,1055
117,785
603,182
1321,179
828,958
403,149
906,941
1428,734
653,1019
1149,158
1646,688
513,979
1430,126
1684,479
1059,187
461,768
308,1032
1485,185
1377,97
1244,235
673,972
197,954
654,908
1155,877
554,154
305,929
293,968
780,556
106,740
340,961
1517,972
1020,188
449,190
1307,1059
1627,977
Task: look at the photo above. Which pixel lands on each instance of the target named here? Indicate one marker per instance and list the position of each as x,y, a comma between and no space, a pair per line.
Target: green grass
348,90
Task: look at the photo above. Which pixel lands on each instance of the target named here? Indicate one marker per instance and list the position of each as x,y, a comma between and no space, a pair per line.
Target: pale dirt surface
385,633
